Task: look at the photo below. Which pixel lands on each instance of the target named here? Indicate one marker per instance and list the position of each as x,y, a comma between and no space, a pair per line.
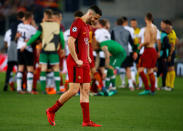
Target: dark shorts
172,62
78,74
148,58
128,62
25,58
102,62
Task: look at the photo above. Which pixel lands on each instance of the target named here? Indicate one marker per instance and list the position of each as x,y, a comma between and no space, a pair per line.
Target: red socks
55,107
152,80
144,79
85,110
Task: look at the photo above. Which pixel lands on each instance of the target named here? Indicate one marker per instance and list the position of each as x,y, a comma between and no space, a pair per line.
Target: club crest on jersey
74,29
86,41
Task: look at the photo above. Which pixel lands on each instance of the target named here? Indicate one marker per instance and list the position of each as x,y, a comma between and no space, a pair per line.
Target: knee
43,67
73,91
86,90
56,67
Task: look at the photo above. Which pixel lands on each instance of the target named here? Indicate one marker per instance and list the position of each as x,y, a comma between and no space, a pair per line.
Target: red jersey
79,30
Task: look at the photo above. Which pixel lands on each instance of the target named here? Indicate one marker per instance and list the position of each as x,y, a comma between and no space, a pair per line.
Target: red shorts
92,64
148,58
78,74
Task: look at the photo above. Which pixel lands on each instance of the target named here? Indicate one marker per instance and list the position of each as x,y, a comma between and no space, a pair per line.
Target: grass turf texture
125,111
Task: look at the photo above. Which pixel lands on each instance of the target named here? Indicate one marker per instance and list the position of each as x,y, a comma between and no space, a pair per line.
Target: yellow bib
172,37
136,32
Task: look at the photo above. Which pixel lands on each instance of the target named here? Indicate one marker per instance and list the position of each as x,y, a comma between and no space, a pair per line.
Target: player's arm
134,47
62,42
35,36
89,59
107,57
71,45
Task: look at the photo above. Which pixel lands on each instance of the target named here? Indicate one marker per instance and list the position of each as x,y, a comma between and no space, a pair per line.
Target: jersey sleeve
75,29
7,36
34,37
97,35
62,41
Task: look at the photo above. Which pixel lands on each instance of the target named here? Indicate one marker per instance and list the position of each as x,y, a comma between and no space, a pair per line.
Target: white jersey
26,32
102,35
7,37
66,37
131,30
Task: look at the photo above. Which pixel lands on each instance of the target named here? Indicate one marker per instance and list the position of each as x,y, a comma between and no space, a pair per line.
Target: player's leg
84,97
73,89
164,71
152,80
19,78
43,64
57,77
8,72
54,60
30,69
84,101
21,63
122,74
30,76
145,81
130,80
172,72
172,77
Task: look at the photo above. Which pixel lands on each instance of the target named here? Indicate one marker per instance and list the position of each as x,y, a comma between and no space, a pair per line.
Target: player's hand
23,48
169,58
135,55
79,62
140,46
89,59
62,53
18,35
110,67
158,54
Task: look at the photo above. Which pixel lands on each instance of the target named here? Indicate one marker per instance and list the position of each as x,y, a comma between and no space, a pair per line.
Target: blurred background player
114,56
134,25
52,39
164,51
124,37
25,55
12,60
170,79
12,47
149,57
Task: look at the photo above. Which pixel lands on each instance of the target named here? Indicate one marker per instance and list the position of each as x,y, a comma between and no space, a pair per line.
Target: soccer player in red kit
149,57
78,67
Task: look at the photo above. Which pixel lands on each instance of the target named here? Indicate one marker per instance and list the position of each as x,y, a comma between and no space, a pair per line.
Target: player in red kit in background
78,67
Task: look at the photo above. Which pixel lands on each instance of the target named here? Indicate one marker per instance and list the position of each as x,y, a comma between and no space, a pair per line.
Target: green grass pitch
126,111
